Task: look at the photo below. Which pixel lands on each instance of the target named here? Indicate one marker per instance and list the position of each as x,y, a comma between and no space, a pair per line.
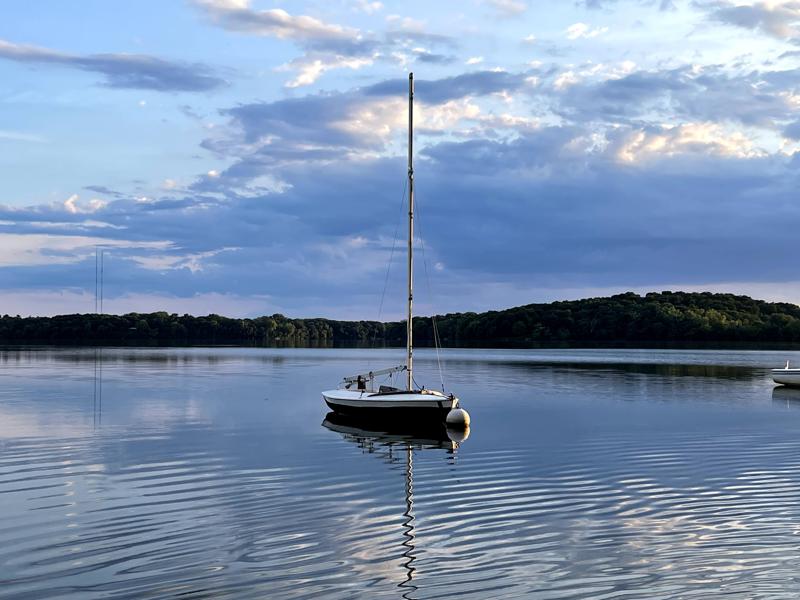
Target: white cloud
475,60
70,225
699,138
447,116
529,39
71,205
381,118
166,262
566,79
582,30
378,118
310,68
36,249
237,15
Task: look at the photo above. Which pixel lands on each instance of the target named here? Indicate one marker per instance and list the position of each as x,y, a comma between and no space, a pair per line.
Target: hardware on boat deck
390,401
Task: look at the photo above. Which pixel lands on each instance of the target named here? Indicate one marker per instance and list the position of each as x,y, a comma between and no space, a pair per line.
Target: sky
248,157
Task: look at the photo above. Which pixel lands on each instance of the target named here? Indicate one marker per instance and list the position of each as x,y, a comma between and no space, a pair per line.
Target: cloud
326,46
777,18
475,60
582,30
635,223
276,22
194,262
475,83
368,6
28,250
792,130
508,8
574,211
424,56
685,93
310,33
663,5
345,136
323,127
134,71
106,191
405,23
621,178
310,67
267,141
697,138
71,205
565,80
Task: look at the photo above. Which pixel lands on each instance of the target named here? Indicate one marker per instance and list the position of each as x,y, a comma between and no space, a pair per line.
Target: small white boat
388,402
786,376
358,395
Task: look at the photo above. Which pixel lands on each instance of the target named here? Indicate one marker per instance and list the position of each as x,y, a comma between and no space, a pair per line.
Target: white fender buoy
457,417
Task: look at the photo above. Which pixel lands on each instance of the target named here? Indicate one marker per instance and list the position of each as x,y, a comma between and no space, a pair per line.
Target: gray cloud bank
135,71
632,181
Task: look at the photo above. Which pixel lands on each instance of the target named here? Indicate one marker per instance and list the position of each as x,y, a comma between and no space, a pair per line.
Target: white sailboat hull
405,404
790,377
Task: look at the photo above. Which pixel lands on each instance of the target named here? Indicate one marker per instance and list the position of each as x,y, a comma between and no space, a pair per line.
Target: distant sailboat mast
410,323
98,280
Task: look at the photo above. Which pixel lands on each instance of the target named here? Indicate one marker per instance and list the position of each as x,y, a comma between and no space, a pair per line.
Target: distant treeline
666,317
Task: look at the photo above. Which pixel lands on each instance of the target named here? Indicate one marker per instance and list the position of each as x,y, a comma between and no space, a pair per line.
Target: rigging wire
391,259
436,339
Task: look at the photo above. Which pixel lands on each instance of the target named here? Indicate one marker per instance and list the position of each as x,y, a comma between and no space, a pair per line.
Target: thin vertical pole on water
96,279
410,323
101,282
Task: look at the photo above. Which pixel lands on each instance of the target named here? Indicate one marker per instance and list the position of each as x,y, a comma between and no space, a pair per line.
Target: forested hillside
666,317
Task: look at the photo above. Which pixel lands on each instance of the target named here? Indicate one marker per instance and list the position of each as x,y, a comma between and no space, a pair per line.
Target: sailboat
357,395
786,376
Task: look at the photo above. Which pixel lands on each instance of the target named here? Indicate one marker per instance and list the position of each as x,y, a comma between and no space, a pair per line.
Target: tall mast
410,322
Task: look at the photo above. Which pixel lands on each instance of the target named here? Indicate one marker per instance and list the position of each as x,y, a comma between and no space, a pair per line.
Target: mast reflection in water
384,440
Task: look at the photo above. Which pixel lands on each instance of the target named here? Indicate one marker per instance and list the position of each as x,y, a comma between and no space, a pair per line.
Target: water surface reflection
205,473
384,441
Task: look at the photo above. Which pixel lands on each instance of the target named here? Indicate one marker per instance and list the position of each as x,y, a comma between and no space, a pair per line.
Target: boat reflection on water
393,443
788,397
368,433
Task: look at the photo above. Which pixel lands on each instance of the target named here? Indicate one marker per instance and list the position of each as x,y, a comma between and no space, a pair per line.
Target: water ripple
196,499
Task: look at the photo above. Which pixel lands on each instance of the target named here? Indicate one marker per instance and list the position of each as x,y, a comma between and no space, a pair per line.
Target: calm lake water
142,473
